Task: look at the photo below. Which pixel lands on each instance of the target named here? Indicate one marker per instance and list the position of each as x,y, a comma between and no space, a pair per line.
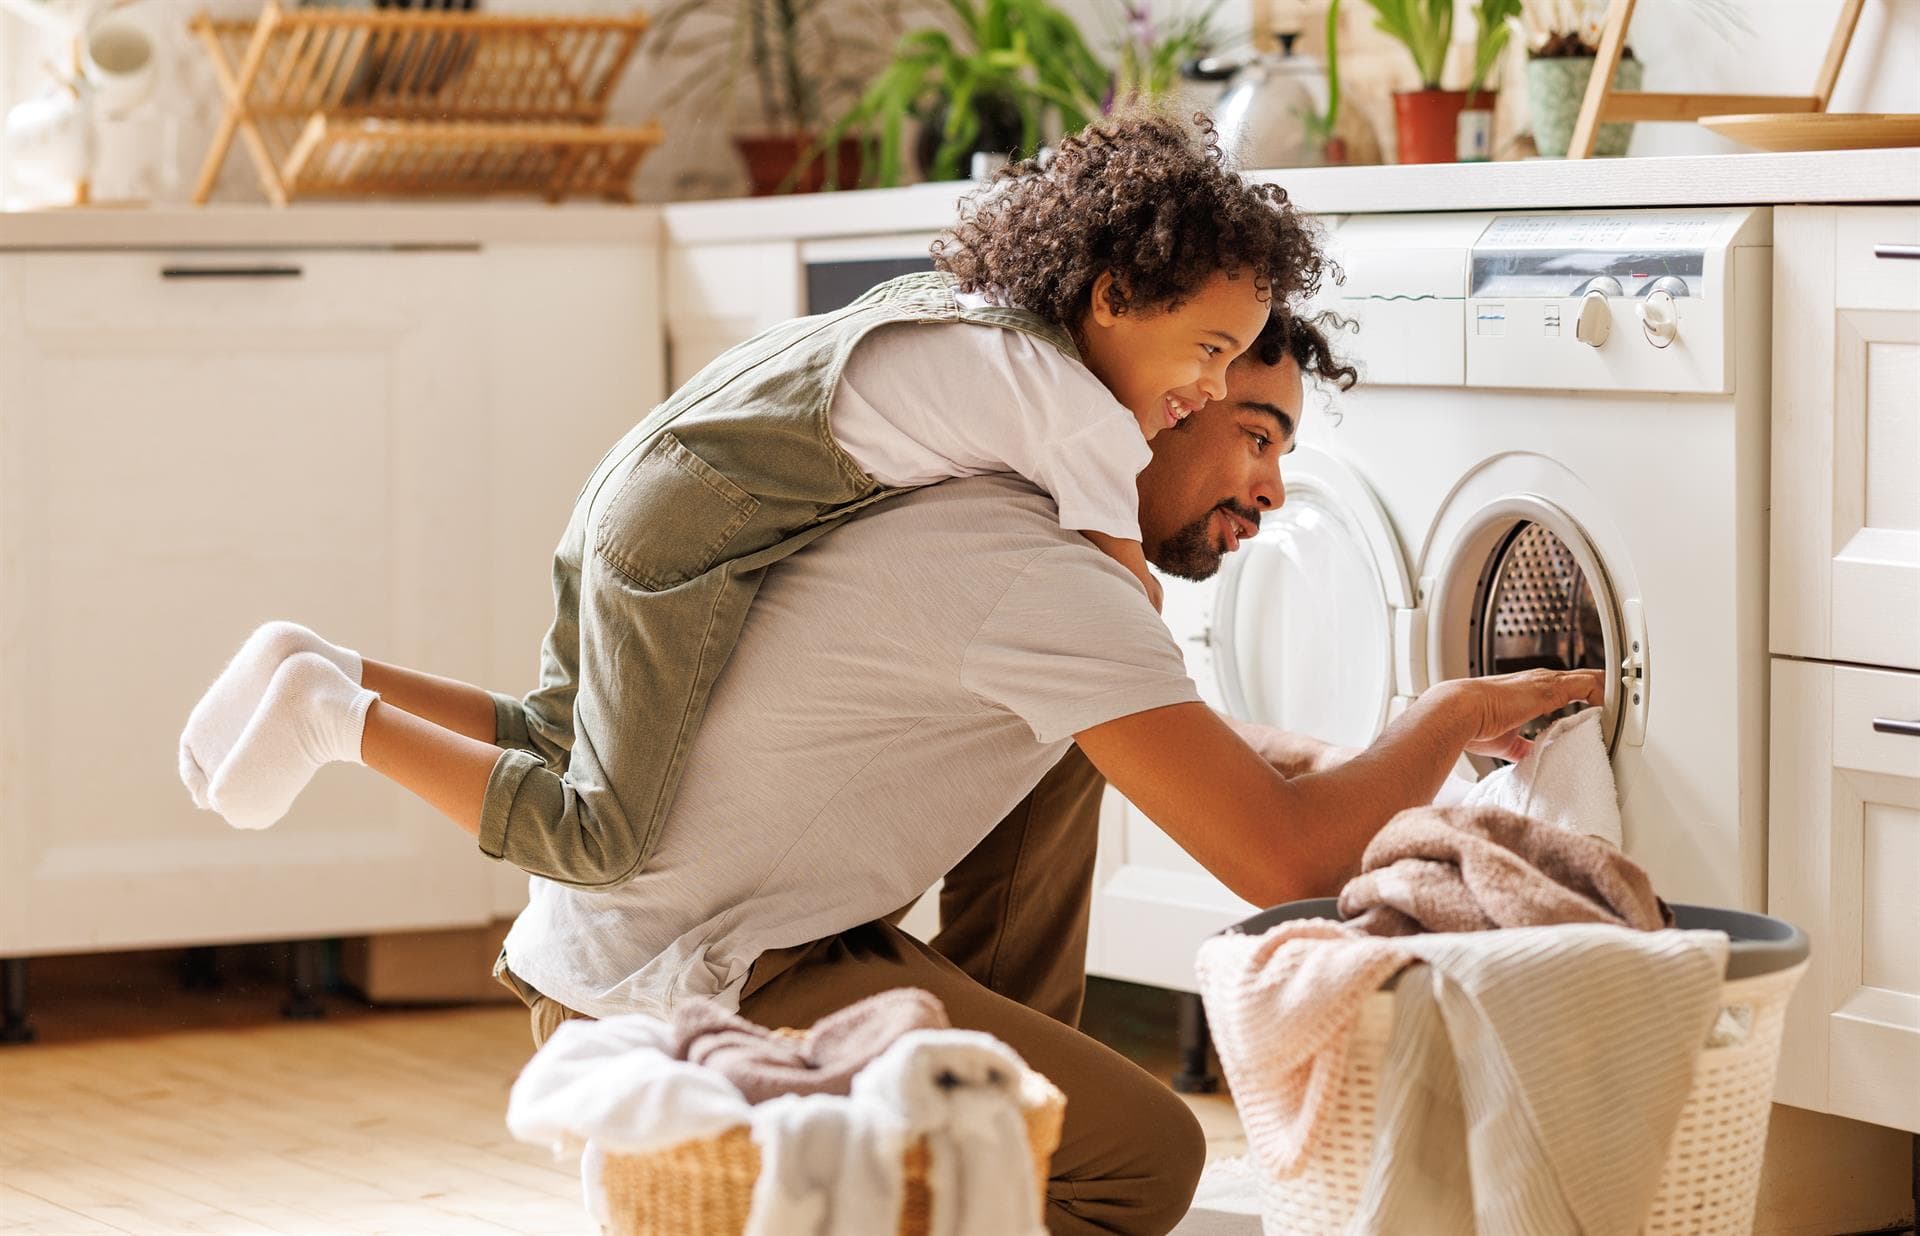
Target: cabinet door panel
1846,436
1845,843
184,459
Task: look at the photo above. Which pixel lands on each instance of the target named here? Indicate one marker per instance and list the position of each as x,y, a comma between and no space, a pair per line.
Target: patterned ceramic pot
1555,88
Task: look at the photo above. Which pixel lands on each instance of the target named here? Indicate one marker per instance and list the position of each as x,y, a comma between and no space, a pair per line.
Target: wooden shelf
339,103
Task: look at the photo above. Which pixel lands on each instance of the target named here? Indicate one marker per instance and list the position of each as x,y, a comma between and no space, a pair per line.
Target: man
905,681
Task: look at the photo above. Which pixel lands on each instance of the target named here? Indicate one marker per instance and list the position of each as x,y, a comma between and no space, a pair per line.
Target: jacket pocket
672,517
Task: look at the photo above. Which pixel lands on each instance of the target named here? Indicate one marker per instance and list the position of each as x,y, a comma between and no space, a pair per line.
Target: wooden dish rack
345,103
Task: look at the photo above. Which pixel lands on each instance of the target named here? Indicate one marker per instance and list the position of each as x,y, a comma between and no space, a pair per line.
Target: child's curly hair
1142,195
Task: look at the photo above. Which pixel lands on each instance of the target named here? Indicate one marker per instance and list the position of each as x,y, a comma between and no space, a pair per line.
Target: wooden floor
146,1110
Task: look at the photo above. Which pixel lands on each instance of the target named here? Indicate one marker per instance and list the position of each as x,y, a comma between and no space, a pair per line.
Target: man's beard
1194,552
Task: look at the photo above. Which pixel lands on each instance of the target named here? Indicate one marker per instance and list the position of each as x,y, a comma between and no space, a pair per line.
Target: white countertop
1542,184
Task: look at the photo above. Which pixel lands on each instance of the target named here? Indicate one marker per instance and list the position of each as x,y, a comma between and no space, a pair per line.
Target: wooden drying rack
335,103
1603,104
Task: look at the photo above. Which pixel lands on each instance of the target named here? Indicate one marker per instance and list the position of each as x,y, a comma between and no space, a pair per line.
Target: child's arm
1129,555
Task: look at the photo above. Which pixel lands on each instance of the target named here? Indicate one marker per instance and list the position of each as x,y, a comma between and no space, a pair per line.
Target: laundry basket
705,1187
1711,1181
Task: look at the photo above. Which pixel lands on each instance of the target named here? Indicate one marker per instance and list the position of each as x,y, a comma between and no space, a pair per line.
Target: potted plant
1425,119
797,65
1562,38
1149,55
991,87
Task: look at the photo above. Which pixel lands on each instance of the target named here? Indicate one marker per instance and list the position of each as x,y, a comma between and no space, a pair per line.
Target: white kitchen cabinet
1846,438
722,294
1845,850
382,444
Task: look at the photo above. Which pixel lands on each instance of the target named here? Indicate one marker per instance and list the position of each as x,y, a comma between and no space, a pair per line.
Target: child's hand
1153,591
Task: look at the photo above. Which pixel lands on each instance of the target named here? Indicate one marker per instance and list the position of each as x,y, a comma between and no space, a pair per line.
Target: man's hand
1498,707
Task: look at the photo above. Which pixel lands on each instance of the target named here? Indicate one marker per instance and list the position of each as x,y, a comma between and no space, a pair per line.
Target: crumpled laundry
833,1166
1565,781
823,1061
1573,1046
615,1083
1473,868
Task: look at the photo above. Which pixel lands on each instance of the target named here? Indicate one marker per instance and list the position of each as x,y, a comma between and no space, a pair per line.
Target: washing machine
1556,456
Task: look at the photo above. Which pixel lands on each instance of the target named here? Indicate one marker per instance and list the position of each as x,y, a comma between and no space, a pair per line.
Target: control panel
1626,301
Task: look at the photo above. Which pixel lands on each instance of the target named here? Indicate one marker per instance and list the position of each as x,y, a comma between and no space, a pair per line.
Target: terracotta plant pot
1428,122
772,159
1556,86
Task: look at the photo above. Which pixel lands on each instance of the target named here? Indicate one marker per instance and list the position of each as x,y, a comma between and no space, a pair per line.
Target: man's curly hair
1305,340
1142,195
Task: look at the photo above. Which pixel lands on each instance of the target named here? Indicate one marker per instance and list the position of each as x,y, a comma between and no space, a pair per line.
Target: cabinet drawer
1868,274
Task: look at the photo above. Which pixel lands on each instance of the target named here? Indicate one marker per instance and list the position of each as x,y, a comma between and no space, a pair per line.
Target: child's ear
1101,311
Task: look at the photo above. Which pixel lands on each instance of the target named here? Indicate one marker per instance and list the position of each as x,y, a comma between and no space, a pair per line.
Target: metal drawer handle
1888,725
230,272
1910,252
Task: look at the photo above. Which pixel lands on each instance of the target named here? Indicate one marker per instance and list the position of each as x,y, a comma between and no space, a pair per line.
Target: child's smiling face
1165,362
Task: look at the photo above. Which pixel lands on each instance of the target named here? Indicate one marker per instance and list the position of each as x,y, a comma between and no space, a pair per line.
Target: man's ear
1101,311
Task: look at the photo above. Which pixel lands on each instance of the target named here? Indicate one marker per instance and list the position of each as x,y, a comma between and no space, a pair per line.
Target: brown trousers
1010,959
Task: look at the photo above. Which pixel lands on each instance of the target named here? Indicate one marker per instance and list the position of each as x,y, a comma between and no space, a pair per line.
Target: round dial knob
1596,319
1659,318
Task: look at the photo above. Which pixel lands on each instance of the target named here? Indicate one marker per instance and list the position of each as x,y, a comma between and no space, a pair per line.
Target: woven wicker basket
704,1188
1711,1182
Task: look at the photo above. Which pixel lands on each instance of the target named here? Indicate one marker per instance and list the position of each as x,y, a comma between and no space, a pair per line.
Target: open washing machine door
1315,627
1520,571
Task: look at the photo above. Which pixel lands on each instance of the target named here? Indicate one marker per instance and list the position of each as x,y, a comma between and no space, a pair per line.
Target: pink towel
822,1061
1281,1007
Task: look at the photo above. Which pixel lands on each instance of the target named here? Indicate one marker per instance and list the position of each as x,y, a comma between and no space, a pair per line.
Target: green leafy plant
1425,27
1026,53
1493,24
1148,53
1321,126
799,55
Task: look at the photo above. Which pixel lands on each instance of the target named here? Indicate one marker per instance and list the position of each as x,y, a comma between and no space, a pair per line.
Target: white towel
1565,781
961,1090
829,1166
1559,1057
613,1083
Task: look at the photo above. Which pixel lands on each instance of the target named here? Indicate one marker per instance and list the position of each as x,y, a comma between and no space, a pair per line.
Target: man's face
1218,471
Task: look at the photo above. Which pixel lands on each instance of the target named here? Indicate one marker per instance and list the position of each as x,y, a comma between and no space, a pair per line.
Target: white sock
216,721
311,714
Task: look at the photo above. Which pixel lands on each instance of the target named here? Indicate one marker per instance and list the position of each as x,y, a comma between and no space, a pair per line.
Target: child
1079,309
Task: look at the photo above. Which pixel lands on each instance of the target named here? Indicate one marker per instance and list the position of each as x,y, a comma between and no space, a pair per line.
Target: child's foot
216,721
311,714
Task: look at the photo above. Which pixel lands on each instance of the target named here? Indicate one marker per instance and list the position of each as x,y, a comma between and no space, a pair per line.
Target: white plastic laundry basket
1712,1177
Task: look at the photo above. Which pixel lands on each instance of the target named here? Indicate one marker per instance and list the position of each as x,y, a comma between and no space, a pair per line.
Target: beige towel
1533,1079
823,1061
1474,868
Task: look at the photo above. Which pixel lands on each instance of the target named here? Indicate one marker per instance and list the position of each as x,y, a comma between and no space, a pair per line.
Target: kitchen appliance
1271,111
1557,456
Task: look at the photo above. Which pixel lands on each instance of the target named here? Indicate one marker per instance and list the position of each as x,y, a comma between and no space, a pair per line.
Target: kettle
1273,112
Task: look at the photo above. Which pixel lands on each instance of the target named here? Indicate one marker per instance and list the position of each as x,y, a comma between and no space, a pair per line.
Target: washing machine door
1515,579
1310,614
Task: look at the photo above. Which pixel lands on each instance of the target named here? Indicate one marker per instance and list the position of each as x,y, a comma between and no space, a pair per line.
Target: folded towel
1565,781
960,1089
823,1061
1474,868
612,1082
1281,1007
1559,1057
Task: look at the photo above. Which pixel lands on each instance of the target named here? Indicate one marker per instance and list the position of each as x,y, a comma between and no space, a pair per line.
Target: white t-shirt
846,765
924,402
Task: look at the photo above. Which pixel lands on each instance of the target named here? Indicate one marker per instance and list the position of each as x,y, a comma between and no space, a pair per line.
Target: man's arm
1271,839
1292,755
